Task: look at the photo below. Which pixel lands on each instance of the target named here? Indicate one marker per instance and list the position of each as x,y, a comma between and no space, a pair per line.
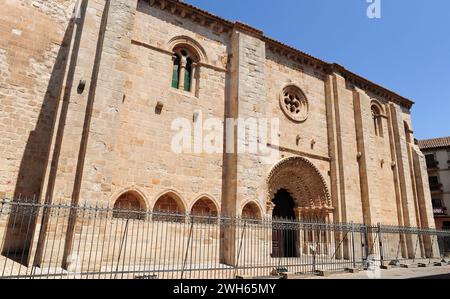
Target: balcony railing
440,211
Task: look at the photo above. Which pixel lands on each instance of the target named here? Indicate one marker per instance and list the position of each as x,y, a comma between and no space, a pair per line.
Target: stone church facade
89,91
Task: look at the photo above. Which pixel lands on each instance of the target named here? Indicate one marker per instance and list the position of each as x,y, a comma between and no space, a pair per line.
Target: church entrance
296,192
284,236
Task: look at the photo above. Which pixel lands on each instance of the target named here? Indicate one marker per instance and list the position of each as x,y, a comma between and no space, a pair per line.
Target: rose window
294,104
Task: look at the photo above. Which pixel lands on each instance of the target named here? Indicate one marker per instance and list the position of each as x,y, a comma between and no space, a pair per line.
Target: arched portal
296,191
284,206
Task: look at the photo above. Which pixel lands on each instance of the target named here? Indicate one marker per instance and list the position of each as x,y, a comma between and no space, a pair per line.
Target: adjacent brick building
437,154
89,91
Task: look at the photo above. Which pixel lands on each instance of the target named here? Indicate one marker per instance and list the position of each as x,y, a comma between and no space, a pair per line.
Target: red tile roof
434,143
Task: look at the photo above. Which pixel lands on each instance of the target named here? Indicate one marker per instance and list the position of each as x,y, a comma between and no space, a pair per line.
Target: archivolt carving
302,180
189,42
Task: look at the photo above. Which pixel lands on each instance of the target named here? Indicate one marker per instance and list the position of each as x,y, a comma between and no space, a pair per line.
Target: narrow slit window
176,71
188,75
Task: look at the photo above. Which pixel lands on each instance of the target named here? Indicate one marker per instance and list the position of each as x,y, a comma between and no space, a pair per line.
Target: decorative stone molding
188,42
196,15
175,195
140,195
270,206
375,102
253,203
302,180
294,104
220,25
208,196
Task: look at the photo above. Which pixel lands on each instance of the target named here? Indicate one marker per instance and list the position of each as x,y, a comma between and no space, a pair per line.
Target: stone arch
378,105
203,202
302,180
130,205
191,44
251,210
140,195
170,199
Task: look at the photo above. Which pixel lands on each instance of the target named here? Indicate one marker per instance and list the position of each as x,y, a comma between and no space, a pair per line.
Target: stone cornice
365,84
184,10
220,25
300,153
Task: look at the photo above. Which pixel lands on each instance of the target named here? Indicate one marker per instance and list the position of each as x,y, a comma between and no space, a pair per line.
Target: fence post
122,244
187,249
380,238
240,248
353,244
365,244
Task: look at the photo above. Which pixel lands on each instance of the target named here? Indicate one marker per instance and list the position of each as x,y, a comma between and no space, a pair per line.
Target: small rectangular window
437,203
434,180
431,161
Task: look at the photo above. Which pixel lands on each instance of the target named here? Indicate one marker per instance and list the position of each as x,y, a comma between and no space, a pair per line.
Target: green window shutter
176,73
188,76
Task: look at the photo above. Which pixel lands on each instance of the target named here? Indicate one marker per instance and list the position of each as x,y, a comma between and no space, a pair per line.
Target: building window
437,203
434,183
176,71
294,103
184,69
377,120
431,161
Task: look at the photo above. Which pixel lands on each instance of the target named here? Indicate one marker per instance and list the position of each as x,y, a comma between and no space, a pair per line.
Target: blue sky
407,50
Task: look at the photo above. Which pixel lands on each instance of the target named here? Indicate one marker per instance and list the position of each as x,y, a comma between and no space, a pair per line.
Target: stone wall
33,59
80,122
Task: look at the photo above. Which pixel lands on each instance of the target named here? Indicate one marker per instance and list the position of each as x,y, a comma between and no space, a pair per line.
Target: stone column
301,232
404,174
363,123
183,63
194,80
334,145
245,97
93,176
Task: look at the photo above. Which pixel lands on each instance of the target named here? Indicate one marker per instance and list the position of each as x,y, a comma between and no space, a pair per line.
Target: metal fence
61,241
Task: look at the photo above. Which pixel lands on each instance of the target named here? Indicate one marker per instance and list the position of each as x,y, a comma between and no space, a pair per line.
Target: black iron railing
37,242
